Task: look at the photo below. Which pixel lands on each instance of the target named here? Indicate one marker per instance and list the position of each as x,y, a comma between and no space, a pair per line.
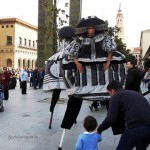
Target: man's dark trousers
138,137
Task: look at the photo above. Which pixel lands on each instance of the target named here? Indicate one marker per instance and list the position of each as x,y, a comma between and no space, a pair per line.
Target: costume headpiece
66,32
90,21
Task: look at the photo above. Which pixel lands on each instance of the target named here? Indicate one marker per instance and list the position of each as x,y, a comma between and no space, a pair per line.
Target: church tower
120,24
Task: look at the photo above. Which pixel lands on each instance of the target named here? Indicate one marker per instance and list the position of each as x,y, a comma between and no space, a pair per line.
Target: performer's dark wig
66,32
91,21
90,123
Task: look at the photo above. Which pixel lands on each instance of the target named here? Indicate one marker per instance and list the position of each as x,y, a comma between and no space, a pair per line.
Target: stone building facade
18,43
136,52
145,44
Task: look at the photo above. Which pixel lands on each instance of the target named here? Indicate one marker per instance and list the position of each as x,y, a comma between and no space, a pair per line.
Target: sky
136,14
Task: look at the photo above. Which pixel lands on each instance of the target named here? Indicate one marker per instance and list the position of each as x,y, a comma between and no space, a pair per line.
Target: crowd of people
8,79
33,76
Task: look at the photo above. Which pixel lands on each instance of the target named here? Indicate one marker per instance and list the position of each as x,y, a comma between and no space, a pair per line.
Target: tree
121,47
48,21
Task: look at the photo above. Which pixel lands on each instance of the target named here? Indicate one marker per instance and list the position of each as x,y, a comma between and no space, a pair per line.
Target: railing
27,47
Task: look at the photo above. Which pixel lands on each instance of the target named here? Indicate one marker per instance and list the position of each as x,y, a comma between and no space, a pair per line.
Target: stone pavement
24,123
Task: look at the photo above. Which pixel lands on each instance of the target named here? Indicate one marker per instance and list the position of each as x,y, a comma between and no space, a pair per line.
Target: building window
9,40
33,43
2,26
11,26
7,26
29,43
20,40
9,62
25,42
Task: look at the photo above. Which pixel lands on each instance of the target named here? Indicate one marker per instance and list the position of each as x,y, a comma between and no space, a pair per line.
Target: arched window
9,63
32,64
24,63
19,63
28,63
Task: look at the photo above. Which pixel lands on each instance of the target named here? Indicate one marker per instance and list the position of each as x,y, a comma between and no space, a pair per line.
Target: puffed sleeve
72,49
79,144
109,44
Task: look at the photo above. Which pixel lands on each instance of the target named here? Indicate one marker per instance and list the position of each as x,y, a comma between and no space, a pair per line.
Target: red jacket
5,79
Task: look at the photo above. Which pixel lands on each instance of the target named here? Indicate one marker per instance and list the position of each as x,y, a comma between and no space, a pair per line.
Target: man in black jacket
135,109
35,78
133,79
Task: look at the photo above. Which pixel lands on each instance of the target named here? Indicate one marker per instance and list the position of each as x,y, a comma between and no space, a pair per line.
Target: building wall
6,50
145,42
136,51
26,52
16,55
120,24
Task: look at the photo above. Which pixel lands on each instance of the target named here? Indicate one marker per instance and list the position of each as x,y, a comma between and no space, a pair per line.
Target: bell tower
120,24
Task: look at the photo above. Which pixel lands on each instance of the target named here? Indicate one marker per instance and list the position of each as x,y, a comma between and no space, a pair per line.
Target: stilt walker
90,63
53,79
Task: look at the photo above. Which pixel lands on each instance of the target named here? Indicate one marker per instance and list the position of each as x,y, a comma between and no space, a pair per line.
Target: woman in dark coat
5,82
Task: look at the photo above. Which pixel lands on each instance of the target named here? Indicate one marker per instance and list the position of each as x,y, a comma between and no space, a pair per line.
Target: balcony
26,47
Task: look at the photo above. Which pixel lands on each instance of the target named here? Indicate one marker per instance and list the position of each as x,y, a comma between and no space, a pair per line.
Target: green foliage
54,18
50,18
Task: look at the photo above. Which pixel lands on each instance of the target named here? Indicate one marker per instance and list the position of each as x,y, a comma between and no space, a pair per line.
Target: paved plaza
24,123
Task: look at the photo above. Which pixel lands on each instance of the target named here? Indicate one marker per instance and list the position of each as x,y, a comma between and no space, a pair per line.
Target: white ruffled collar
86,132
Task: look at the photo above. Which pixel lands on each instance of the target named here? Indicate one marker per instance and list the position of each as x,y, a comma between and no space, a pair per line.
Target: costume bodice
92,48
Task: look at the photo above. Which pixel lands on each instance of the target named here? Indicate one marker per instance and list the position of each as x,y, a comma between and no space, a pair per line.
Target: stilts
147,92
61,141
51,118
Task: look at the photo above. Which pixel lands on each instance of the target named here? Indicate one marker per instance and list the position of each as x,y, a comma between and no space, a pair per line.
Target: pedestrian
24,80
147,76
41,77
135,110
5,79
19,72
35,78
89,139
31,78
133,79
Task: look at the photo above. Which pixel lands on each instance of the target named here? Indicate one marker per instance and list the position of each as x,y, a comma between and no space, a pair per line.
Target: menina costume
53,78
92,53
